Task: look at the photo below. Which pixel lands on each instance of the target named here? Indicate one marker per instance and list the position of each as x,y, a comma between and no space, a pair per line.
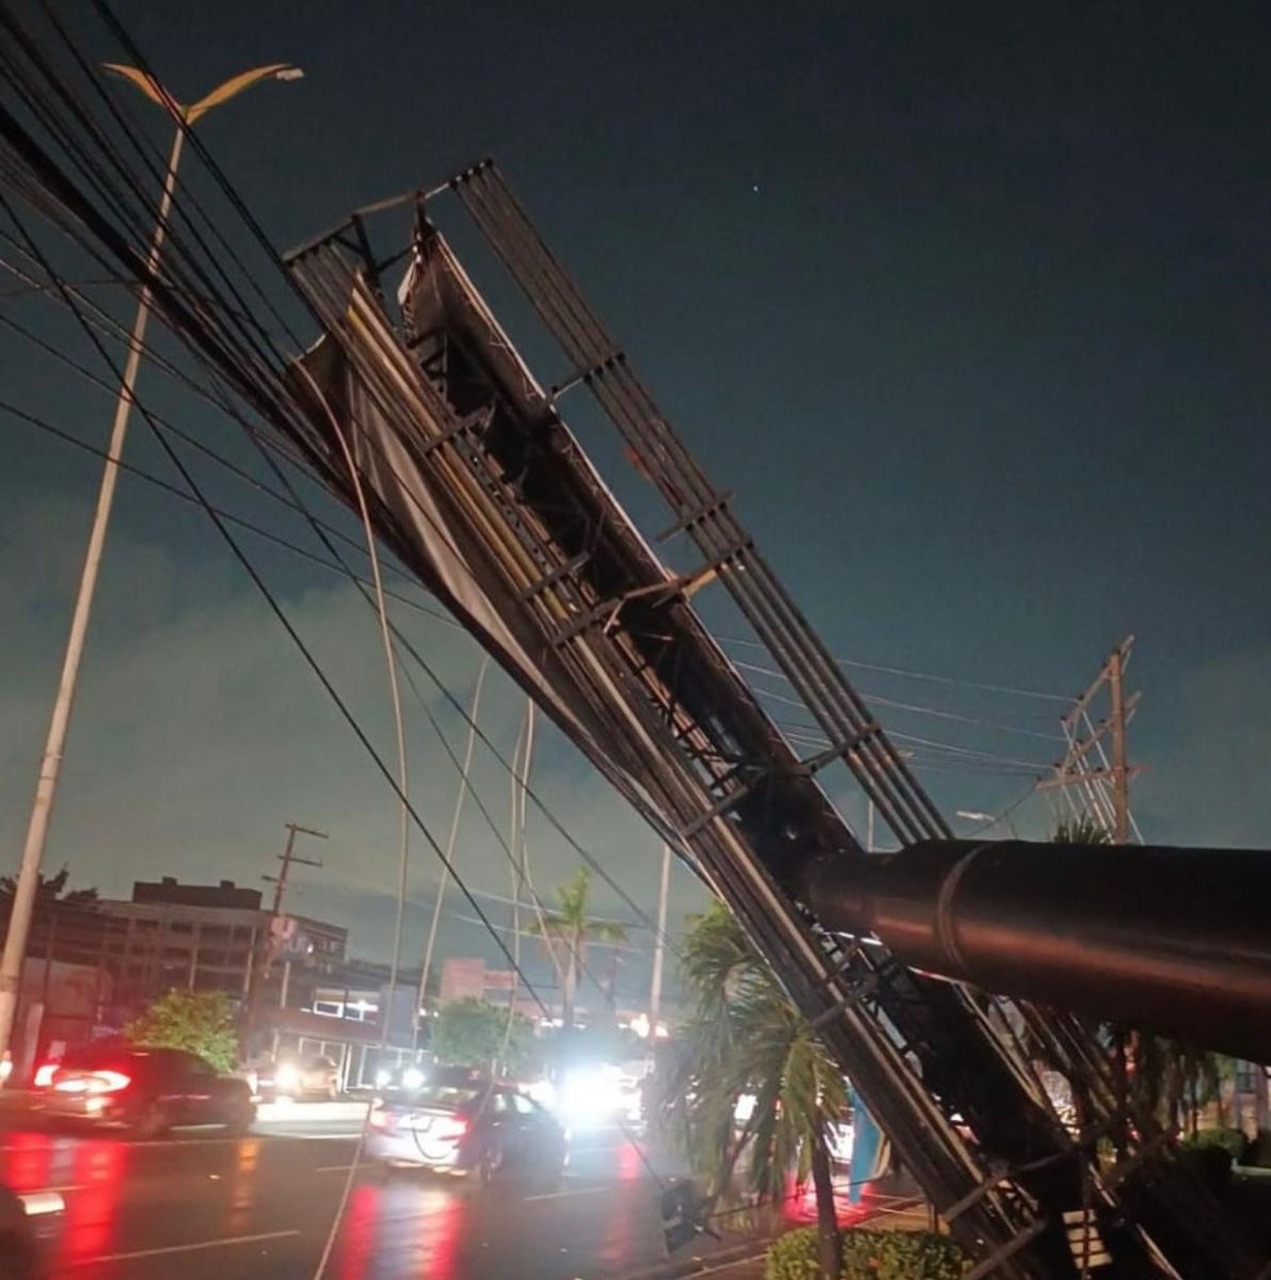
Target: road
261,1208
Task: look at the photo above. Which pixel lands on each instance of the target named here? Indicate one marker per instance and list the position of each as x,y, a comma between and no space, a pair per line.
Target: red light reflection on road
406,1229
27,1163
441,1222
357,1232
99,1169
630,1164
243,1185
801,1202
628,1212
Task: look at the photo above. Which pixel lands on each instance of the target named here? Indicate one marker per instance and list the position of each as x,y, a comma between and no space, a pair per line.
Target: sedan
146,1091
472,1127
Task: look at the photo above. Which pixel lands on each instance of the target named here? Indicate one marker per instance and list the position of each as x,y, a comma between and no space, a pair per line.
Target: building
208,938
196,937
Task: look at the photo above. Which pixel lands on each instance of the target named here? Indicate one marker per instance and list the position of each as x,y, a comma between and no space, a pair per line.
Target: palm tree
746,1040
566,933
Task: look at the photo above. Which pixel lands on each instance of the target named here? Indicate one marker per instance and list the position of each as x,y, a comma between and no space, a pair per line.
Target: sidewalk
740,1257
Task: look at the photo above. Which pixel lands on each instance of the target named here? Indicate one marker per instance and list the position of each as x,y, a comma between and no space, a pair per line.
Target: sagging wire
172,490
551,817
895,704
452,835
247,565
252,369
403,783
916,675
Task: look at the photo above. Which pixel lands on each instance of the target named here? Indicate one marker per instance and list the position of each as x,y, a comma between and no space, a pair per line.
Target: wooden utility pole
1120,775
287,857
1100,778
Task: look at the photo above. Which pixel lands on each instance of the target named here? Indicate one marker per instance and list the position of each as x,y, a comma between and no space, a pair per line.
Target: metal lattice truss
484,492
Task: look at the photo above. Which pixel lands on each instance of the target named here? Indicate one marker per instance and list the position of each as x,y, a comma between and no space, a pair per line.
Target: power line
918,675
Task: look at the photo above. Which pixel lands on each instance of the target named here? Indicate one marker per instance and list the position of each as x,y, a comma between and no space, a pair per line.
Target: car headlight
412,1078
287,1077
382,1077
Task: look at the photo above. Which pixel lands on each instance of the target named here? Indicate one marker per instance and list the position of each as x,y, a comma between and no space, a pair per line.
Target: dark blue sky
968,305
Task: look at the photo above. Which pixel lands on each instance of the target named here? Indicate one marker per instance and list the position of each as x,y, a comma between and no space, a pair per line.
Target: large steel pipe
1176,941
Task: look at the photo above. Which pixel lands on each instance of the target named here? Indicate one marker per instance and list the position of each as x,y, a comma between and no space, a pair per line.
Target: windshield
453,1097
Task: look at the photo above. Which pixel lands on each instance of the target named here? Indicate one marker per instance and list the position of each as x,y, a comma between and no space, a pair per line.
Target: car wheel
490,1167
240,1120
152,1122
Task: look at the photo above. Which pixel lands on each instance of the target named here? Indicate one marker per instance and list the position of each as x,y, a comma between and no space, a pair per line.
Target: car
310,1076
470,1126
145,1091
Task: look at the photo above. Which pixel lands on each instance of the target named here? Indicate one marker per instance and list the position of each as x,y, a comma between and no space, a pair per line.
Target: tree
51,889
1082,830
746,1039
566,933
476,1033
200,1022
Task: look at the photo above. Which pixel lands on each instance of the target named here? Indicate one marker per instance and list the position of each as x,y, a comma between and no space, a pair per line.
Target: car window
440,1095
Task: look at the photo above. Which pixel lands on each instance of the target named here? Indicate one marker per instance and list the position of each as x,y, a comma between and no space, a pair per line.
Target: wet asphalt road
200,1206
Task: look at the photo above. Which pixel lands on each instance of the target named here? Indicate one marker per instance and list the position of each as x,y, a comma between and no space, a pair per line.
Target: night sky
966,304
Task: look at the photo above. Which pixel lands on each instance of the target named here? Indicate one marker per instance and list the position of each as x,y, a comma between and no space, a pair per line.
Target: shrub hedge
1232,1141
1258,1153
869,1255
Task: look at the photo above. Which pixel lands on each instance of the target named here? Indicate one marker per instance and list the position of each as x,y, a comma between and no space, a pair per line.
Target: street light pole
50,763
659,945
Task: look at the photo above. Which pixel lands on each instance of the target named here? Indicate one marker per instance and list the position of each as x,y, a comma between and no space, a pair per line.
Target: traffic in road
264,1207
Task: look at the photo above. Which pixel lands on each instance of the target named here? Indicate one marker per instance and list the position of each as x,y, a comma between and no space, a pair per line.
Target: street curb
673,1269
749,1250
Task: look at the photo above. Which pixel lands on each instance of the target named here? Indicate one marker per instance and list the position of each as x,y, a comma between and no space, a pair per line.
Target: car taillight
44,1075
449,1130
109,1082
98,1082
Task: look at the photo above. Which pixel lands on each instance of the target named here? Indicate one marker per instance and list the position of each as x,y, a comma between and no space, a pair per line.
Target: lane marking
185,1248
581,1191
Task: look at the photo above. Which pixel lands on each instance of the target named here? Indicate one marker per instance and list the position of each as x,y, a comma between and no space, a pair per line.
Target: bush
1232,1141
869,1255
1258,1153
1210,1163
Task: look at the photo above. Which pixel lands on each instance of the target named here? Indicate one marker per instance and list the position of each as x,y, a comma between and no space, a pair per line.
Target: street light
989,820
37,831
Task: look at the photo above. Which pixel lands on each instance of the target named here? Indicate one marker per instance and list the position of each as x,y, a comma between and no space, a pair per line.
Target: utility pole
1094,781
1120,775
659,946
287,857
